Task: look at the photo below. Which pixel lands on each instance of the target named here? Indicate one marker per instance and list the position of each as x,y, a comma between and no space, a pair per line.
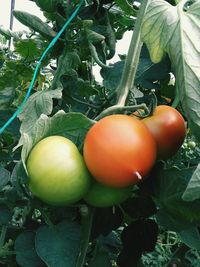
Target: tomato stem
46,218
86,230
132,59
3,235
120,109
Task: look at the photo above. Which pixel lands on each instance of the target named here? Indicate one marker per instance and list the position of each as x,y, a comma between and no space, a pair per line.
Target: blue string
55,39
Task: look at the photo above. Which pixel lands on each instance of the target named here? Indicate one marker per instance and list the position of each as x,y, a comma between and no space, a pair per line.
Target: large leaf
146,76
39,103
192,191
35,23
59,246
27,48
68,61
25,250
175,30
191,237
71,125
167,187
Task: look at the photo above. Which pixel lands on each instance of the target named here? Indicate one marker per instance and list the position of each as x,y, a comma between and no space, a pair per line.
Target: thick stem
86,231
132,59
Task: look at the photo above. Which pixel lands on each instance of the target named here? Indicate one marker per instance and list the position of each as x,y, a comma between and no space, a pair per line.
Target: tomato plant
168,129
84,90
100,195
119,150
57,172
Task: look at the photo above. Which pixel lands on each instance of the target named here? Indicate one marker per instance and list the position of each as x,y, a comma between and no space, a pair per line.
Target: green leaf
39,103
167,187
26,48
174,30
59,245
191,237
146,76
4,177
70,125
5,215
126,7
101,258
47,5
192,191
6,33
171,222
19,178
67,63
13,128
7,96
25,250
35,24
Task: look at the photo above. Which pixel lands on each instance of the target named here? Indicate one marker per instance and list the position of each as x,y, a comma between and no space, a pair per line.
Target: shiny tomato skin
57,172
168,128
119,150
102,196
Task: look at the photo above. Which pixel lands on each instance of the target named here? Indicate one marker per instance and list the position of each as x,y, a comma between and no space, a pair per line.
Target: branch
120,109
86,230
132,59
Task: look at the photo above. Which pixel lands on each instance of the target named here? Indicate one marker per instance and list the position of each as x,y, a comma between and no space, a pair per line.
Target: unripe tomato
101,196
191,144
119,150
168,128
57,172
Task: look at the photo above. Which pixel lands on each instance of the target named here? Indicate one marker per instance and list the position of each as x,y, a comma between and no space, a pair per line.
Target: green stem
4,253
96,57
120,109
86,231
46,218
132,59
3,235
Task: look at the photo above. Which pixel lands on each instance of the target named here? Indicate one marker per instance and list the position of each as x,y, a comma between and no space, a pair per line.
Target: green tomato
57,172
191,144
100,195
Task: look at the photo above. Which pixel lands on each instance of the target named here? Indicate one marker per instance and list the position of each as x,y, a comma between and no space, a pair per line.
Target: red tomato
168,128
119,150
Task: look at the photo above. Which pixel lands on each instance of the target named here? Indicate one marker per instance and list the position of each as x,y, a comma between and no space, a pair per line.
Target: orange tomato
119,150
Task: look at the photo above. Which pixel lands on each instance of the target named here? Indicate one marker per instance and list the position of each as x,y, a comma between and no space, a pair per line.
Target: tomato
57,172
100,195
119,150
191,144
168,128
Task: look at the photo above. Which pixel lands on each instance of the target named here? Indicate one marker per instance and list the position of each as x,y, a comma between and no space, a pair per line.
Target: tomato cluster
119,151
